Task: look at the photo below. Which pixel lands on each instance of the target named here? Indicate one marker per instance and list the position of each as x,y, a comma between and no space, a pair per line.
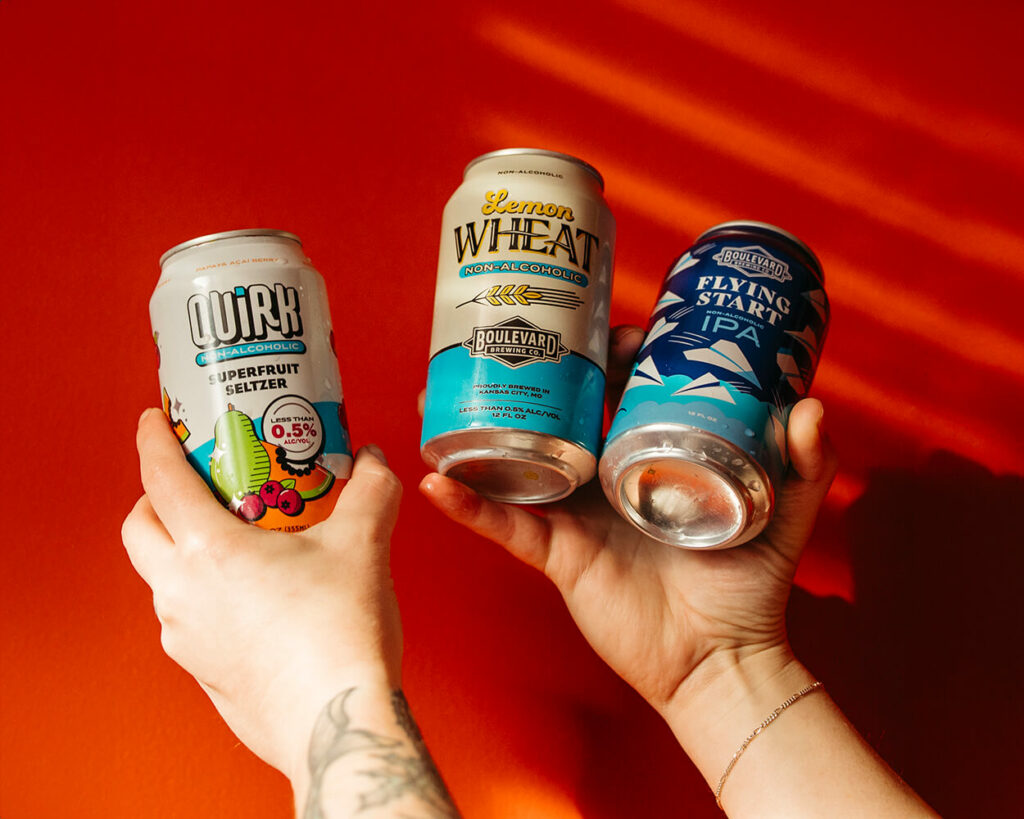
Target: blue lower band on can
563,398
757,427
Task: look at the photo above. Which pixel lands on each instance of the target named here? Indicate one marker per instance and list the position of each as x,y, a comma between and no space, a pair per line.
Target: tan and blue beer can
518,351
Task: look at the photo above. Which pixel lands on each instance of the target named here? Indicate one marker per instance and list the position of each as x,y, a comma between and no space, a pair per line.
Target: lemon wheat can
697,447
249,375
515,386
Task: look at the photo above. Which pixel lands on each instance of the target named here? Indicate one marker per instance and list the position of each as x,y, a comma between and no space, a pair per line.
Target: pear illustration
239,464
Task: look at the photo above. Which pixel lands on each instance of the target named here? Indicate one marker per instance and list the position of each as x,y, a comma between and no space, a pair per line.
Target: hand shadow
927,662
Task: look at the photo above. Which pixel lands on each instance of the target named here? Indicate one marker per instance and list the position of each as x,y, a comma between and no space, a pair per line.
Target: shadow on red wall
927,662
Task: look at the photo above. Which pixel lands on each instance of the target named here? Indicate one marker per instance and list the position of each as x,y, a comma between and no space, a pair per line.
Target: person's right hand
271,624
668,620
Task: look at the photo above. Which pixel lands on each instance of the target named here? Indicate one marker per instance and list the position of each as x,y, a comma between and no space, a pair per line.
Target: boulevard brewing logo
515,342
753,261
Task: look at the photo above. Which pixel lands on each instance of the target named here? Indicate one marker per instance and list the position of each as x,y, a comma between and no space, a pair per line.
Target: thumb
370,499
813,465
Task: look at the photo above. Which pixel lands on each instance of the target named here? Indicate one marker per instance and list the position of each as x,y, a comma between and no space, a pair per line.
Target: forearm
809,761
366,756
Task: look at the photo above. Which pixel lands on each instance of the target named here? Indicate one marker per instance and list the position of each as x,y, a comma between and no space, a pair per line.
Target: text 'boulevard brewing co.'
249,376
697,448
515,386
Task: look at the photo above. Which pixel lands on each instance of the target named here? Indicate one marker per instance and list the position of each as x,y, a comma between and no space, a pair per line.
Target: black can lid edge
762,228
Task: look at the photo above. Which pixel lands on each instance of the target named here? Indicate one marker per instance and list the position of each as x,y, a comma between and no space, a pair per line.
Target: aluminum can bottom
510,465
685,486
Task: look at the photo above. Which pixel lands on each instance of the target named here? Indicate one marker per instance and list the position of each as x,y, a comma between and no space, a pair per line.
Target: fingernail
145,413
376,452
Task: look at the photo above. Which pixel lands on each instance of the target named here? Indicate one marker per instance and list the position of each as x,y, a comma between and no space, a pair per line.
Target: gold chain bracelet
774,715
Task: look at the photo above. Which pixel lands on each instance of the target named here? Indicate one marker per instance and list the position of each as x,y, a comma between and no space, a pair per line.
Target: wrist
726,697
364,751
808,760
372,687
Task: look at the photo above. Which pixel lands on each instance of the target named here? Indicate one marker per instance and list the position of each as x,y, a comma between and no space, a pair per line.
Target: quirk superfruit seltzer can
249,375
515,386
697,448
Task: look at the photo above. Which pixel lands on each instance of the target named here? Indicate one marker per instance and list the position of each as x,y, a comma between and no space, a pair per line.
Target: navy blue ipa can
515,387
697,447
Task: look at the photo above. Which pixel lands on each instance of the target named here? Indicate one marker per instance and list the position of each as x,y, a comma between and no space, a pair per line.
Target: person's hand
271,625
666,619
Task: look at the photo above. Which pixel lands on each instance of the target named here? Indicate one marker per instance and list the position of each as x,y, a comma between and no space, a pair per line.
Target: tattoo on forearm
402,771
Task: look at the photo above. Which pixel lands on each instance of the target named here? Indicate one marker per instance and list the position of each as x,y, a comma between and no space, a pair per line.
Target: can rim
227,234
771,230
713,472
537,152
636,448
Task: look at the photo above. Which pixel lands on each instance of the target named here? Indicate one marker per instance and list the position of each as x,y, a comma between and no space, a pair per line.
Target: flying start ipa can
515,386
697,447
249,375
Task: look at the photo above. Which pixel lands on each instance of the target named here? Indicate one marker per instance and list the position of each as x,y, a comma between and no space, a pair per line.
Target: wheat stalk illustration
524,295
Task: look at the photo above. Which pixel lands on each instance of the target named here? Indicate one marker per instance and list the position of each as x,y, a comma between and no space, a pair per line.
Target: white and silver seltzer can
249,375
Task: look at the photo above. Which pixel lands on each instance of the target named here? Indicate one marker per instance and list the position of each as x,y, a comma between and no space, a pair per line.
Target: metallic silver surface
504,152
228,234
685,486
510,465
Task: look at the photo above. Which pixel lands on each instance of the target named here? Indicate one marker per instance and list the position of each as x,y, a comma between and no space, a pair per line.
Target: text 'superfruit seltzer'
697,448
249,375
515,387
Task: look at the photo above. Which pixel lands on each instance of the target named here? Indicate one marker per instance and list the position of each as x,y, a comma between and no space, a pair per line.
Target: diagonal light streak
870,295
941,429
634,292
749,142
845,489
957,335
926,423
732,34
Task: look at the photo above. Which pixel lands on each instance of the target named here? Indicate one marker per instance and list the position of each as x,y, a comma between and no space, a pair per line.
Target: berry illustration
270,492
251,508
290,502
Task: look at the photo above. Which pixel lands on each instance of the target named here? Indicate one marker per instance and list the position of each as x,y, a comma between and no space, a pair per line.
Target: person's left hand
667,620
271,625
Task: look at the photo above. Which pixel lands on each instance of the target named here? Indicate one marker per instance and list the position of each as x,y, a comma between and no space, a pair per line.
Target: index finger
371,496
181,498
145,540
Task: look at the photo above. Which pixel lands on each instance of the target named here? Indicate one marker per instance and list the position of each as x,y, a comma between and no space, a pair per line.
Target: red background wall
888,136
